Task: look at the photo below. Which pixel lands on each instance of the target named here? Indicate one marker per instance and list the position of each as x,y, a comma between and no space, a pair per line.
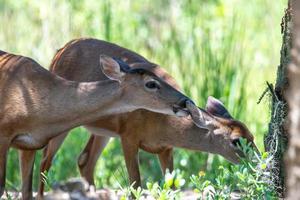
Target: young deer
36,105
152,132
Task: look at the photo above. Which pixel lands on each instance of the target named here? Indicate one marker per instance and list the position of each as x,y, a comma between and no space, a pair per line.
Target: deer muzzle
180,108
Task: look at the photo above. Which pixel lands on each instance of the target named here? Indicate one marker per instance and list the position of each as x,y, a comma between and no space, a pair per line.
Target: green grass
250,180
224,48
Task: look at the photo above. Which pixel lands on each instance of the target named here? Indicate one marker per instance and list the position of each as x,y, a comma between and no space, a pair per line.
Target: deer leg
4,146
27,163
49,152
166,160
132,161
88,158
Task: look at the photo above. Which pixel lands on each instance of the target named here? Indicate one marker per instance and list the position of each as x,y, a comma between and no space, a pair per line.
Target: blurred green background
224,48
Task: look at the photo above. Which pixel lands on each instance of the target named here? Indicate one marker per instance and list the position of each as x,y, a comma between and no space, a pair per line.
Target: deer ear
217,108
200,117
111,68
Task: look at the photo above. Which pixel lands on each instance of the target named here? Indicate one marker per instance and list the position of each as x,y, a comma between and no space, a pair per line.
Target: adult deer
36,105
152,132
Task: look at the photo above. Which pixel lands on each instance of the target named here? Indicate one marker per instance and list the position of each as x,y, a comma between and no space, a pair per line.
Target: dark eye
152,85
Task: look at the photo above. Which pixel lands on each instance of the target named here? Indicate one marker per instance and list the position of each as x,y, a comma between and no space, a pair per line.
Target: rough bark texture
293,97
276,139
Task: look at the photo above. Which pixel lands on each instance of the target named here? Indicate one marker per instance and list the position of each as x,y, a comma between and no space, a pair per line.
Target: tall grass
227,49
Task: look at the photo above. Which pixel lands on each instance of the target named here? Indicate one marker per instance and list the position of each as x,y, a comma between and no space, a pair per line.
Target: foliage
223,48
169,189
249,180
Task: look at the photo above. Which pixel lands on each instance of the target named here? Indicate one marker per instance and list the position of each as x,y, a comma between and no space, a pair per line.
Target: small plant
249,180
174,179
168,190
131,191
137,193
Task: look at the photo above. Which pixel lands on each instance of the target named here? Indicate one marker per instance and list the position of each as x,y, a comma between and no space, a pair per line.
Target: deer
37,105
211,130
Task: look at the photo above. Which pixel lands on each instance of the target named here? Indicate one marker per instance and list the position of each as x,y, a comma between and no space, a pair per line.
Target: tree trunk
276,139
293,97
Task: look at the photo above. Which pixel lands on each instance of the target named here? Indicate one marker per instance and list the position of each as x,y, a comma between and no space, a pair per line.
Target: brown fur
36,105
152,132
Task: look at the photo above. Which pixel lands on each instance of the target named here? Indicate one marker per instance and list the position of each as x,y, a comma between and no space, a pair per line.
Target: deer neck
193,138
64,105
80,103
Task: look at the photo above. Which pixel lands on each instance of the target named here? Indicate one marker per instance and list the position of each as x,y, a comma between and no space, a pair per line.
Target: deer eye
152,85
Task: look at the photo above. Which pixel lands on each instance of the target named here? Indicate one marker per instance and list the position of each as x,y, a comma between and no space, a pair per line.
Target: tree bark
276,139
293,97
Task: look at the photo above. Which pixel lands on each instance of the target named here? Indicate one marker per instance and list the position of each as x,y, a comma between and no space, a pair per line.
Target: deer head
224,130
143,89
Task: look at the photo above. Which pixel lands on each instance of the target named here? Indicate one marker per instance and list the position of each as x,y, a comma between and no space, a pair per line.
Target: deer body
36,105
29,92
152,132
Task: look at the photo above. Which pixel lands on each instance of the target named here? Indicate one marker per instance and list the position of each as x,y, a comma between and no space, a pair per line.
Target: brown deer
152,132
36,105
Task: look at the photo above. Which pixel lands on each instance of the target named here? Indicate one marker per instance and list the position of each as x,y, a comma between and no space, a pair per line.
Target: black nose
182,102
236,142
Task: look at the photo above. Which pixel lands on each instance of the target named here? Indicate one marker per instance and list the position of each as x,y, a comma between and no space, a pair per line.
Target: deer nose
182,102
236,142
180,108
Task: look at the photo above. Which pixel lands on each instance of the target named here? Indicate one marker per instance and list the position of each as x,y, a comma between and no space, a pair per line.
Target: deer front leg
4,146
27,163
166,160
130,150
48,155
88,158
